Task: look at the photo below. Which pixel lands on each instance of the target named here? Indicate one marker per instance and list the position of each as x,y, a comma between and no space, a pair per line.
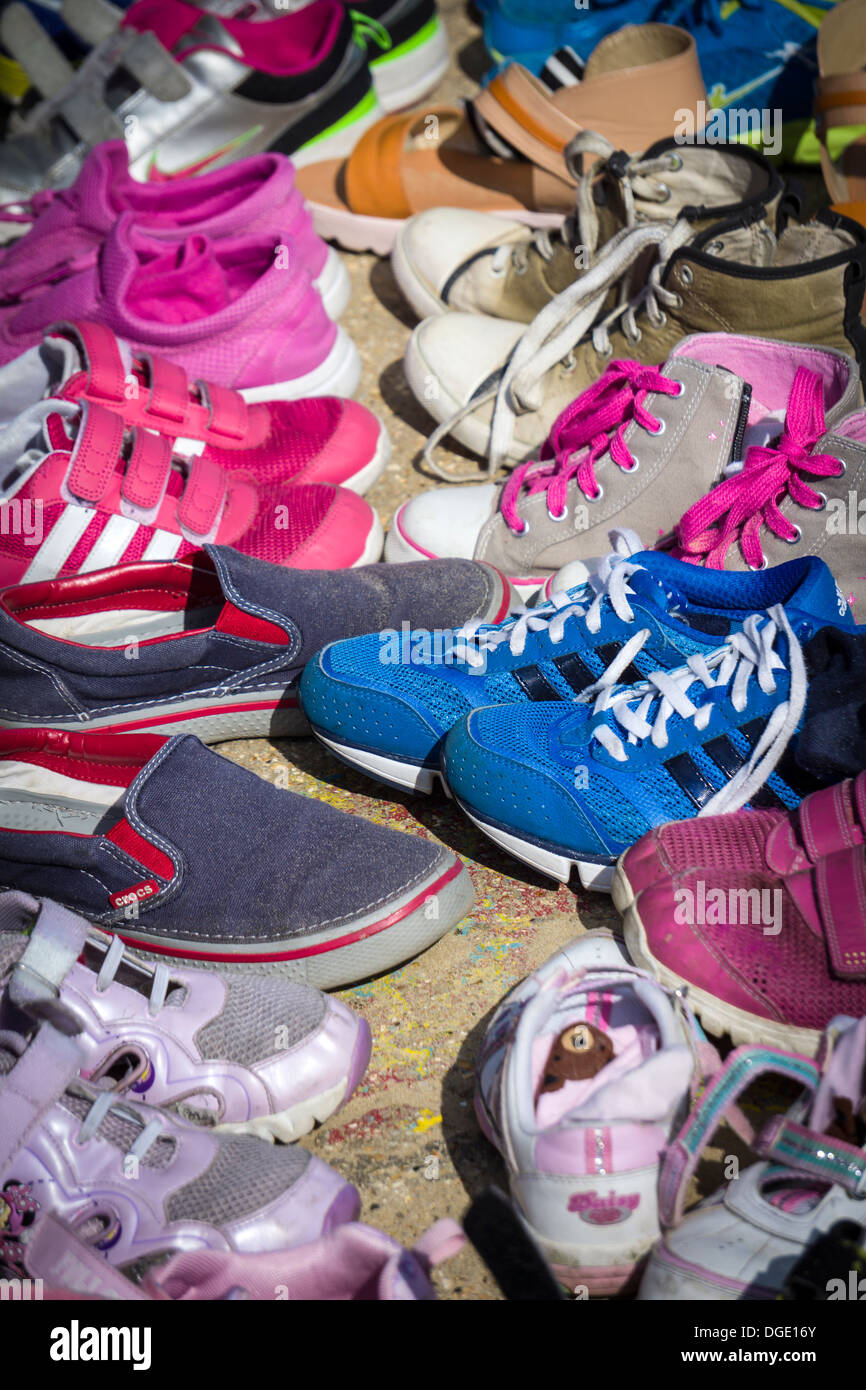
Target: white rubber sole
212,718
717,1017
334,285
338,375
341,143
364,479
372,550
597,877
404,77
379,234
472,432
400,550
407,776
288,1125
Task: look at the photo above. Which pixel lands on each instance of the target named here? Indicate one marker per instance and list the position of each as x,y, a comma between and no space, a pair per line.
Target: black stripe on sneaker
487,136
320,118
533,684
631,675
271,90
564,68
576,672
690,779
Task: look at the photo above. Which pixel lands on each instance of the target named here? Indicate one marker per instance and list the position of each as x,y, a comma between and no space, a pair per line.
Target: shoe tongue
31,437
180,283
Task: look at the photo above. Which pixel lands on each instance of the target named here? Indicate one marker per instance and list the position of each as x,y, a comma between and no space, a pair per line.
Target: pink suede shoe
767,955
239,311
82,494
761,841
318,440
255,197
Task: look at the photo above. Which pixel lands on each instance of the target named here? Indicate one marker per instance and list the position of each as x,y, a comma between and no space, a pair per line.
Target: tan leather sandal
841,98
637,84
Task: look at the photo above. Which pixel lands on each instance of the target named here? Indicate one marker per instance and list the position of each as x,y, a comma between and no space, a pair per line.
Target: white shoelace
636,183
610,581
561,325
160,975
642,711
108,1101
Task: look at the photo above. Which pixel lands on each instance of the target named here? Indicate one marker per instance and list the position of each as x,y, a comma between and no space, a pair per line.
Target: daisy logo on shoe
127,897
604,1211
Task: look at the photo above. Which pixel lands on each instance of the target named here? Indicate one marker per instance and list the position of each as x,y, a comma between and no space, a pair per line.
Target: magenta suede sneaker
80,493
780,841
258,1055
767,957
323,439
238,311
256,196
585,1075
136,1183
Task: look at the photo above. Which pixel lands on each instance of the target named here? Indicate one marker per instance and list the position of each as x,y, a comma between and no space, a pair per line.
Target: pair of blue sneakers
655,691
755,55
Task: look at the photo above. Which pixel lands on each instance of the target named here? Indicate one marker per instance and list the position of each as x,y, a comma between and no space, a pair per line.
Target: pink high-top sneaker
256,196
240,311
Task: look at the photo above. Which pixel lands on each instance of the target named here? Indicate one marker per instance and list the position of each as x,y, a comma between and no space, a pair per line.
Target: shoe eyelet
598,496
715,247
762,566
686,274
568,364
681,391
525,531
563,515
792,540
665,193
661,428
675,161
637,337
635,465
660,321
823,504
605,352
843,469
498,272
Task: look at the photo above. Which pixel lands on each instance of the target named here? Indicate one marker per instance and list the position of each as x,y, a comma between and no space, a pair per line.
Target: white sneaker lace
102,1105
636,184
552,617
160,975
561,325
642,711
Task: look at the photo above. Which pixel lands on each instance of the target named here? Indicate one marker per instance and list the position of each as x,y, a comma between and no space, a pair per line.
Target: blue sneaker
562,787
523,31
758,56
383,703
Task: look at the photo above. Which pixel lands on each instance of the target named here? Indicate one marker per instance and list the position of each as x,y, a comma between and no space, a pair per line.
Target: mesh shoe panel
260,1018
245,1175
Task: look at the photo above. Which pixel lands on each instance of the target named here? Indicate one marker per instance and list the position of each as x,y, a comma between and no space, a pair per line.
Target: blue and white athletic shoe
562,787
384,703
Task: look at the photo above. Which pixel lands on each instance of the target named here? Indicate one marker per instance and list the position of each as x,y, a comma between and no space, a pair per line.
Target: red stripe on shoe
127,838
251,957
199,713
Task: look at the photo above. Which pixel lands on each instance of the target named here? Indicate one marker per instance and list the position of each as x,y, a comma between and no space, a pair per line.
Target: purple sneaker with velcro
188,856
586,1073
242,1054
139,1184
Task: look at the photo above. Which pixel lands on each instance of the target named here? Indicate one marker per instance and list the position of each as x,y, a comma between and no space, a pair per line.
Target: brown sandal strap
372,175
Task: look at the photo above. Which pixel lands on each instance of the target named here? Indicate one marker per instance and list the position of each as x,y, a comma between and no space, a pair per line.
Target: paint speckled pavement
408,1138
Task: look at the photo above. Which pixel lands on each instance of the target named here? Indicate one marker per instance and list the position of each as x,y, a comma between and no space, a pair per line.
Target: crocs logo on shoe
136,894
604,1211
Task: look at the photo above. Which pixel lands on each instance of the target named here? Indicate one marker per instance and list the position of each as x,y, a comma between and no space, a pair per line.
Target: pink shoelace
28,209
735,511
588,428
